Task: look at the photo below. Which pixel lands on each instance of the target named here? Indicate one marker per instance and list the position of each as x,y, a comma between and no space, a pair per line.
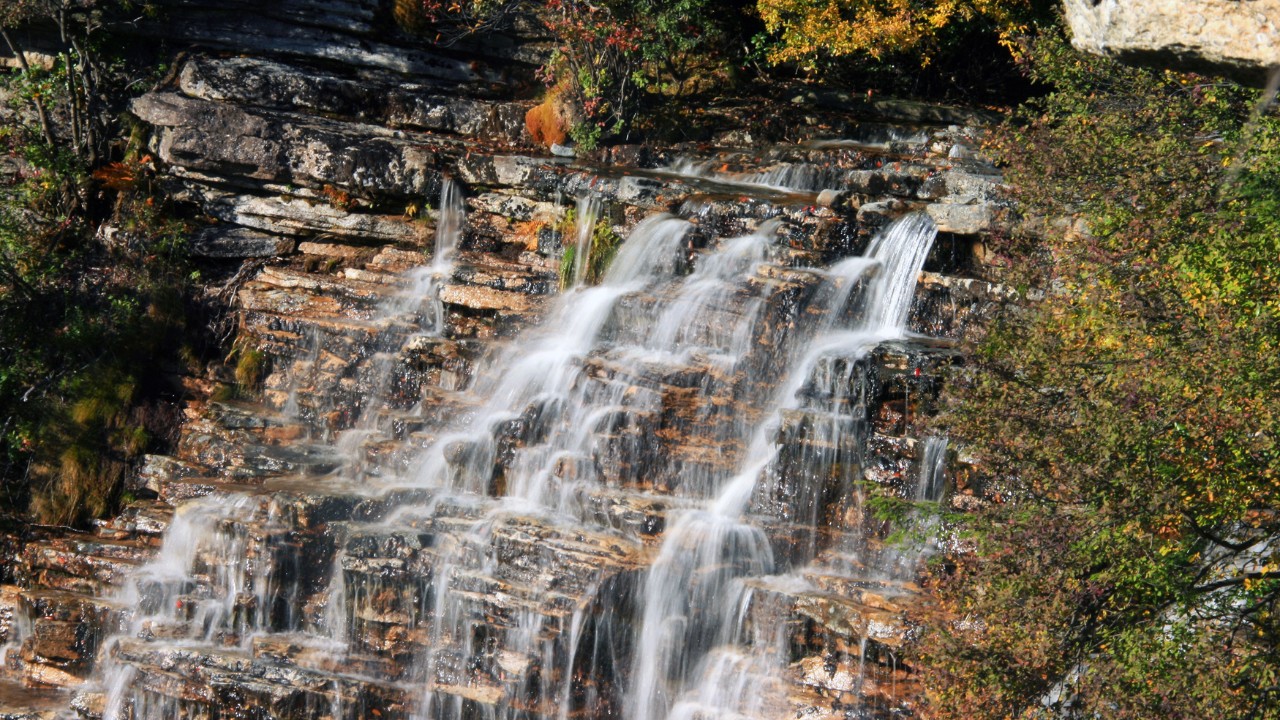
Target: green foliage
586,135
85,319
954,50
1128,422
613,55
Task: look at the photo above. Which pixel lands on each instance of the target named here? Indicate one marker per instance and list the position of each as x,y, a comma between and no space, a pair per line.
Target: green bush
1126,424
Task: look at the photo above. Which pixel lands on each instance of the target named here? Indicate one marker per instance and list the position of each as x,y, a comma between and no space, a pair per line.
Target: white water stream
575,413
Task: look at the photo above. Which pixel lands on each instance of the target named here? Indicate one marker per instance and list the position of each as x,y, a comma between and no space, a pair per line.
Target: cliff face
461,491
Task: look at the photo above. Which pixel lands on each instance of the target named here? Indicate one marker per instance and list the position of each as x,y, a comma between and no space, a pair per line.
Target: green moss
251,365
223,393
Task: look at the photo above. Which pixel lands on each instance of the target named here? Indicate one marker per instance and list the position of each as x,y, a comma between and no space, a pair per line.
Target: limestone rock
237,242
307,29
298,214
227,140
483,298
962,219
372,98
1239,38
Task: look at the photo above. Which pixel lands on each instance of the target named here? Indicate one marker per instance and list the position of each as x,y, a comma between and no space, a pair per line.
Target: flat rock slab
23,703
238,242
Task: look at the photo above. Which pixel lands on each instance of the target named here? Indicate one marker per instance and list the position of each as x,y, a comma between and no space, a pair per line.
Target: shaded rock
299,214
227,140
305,29
897,110
237,242
23,703
372,98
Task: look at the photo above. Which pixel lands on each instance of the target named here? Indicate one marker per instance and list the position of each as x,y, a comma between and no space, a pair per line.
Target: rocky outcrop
1238,38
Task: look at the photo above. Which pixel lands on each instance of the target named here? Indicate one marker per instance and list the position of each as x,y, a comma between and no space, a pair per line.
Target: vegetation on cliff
87,314
1125,427
617,64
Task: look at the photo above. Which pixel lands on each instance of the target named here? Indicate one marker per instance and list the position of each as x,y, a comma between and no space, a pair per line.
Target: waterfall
711,551
511,567
932,472
920,525
409,313
450,221
584,227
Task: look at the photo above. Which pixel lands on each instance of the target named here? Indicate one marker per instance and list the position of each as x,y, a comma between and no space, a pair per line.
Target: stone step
486,270
18,702
864,613
278,209
83,563
62,631
323,655
208,680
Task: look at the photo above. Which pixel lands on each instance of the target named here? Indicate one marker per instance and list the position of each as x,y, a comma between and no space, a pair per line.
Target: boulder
1237,38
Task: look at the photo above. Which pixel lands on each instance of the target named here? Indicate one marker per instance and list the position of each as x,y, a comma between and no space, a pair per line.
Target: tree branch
45,127
1237,580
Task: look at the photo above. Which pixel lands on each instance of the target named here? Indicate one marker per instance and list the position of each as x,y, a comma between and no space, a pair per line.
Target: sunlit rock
1226,37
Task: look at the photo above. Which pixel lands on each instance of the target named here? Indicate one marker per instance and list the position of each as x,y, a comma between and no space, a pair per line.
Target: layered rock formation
412,517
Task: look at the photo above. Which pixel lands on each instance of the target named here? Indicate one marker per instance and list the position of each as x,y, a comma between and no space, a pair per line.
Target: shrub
1126,565
86,320
805,30
610,55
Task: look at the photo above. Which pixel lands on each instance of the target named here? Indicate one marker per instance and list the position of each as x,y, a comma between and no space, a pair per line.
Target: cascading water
785,177
412,313
511,556
691,591
215,580
588,212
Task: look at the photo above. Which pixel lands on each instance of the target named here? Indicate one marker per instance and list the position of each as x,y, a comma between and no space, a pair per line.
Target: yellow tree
807,29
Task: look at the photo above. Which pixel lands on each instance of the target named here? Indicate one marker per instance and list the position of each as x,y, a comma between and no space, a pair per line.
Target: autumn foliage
807,29
1127,424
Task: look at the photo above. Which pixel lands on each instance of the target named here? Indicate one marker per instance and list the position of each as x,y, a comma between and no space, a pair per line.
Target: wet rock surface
311,549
